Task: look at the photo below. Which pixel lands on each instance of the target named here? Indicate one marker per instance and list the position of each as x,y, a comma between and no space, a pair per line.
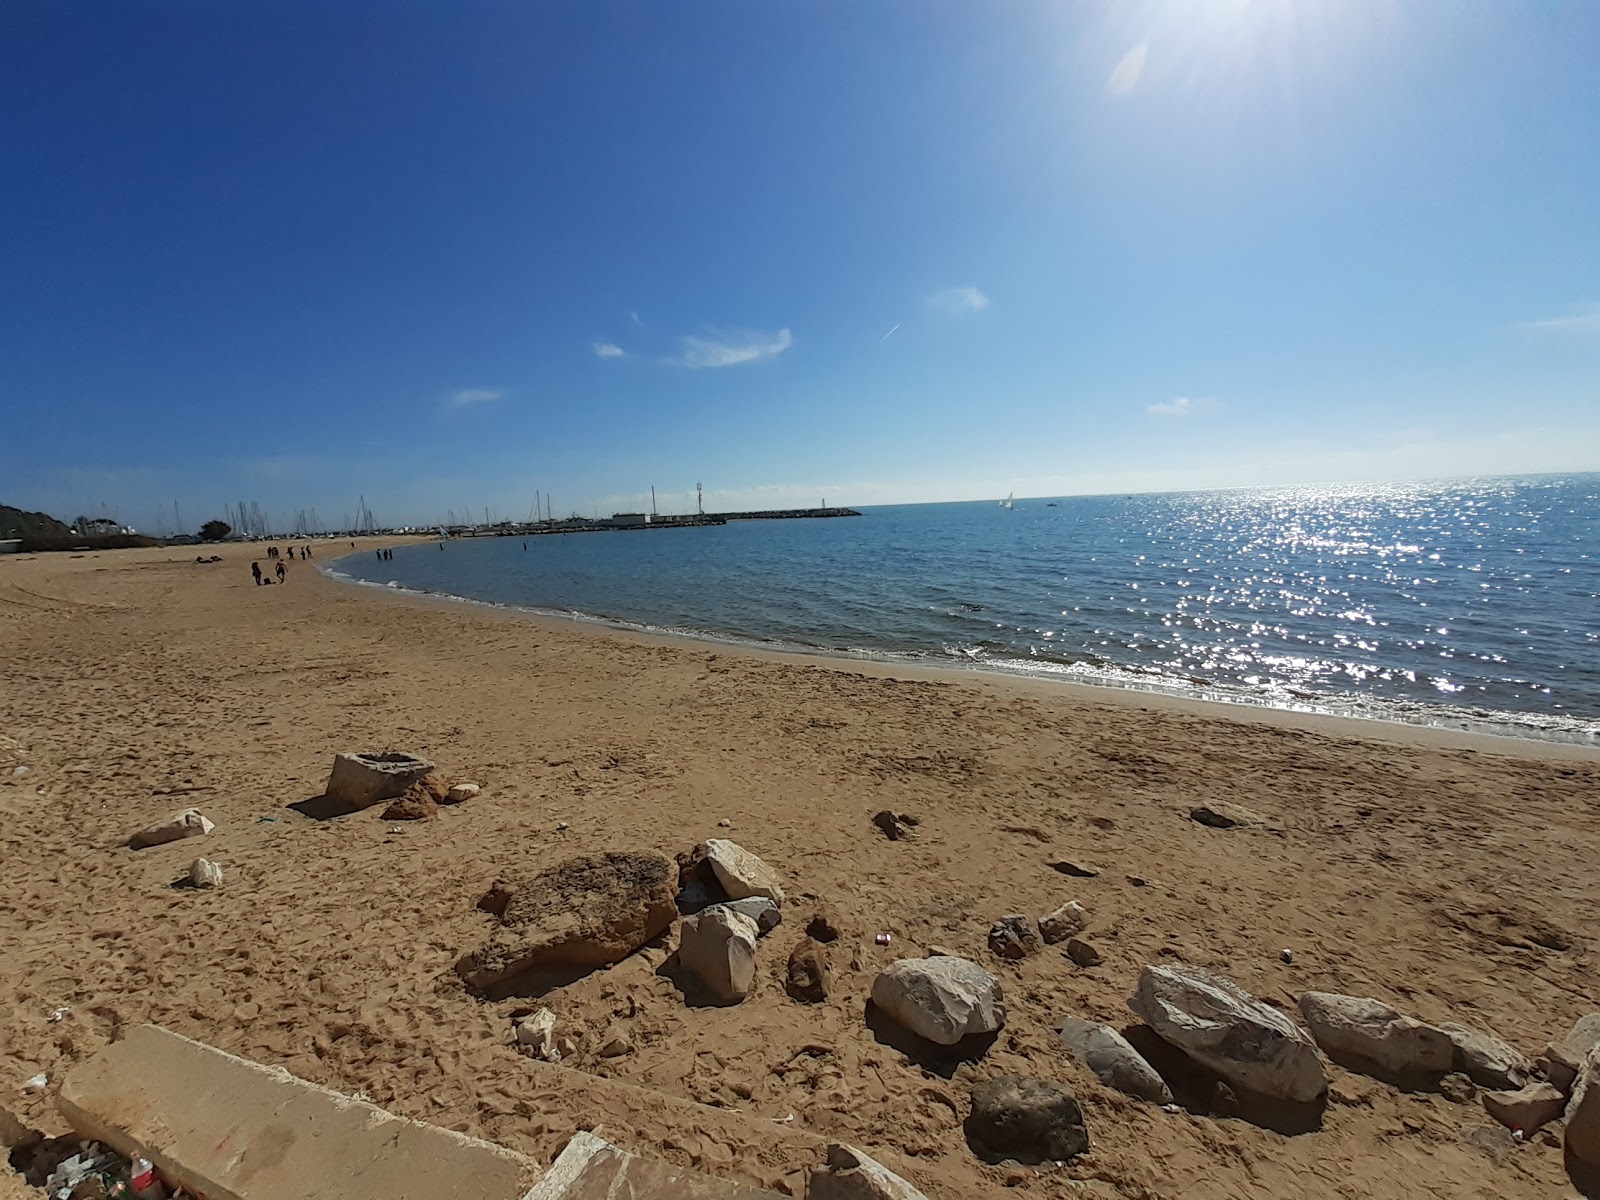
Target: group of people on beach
385,554
288,552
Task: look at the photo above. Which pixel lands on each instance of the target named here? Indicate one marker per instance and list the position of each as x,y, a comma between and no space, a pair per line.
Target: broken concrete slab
591,1168
276,1137
362,780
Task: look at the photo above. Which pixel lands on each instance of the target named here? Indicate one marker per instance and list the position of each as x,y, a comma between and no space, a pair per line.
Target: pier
624,522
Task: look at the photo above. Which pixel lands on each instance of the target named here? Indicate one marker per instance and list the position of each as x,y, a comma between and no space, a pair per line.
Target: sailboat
1006,503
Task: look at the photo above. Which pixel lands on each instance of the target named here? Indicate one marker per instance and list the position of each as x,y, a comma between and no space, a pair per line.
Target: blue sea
1465,603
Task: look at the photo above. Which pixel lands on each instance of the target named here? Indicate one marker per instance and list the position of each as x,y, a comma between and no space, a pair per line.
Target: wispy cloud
956,301
609,350
889,335
466,397
1585,320
634,317
729,348
1178,406
1126,74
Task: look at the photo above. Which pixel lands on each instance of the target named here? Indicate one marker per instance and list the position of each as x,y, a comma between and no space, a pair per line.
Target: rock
851,1175
461,793
1223,815
1137,880
416,803
808,978
741,873
1375,1034
537,1032
362,780
1077,870
1528,1109
941,999
1083,953
767,915
1026,1120
1115,1063
1583,1114
1013,937
203,873
822,929
1562,1060
615,1045
697,882
495,900
718,947
1219,1024
1482,1055
1071,918
896,826
724,824
187,824
586,912
1458,1088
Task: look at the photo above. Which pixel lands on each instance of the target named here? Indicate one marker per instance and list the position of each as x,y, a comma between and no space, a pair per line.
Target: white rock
767,915
203,873
1115,1063
741,873
851,1175
20,772
187,824
538,1033
1219,1024
462,792
942,999
1583,1113
718,947
1067,921
1489,1061
1369,1030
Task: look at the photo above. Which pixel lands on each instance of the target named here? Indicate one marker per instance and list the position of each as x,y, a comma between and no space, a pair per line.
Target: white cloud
1178,406
730,348
634,317
469,396
609,350
1586,320
1126,74
957,301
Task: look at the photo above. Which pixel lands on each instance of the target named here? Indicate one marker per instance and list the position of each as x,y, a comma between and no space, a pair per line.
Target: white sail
1006,503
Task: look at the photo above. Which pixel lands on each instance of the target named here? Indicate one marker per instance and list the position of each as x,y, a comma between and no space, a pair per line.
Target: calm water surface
1468,603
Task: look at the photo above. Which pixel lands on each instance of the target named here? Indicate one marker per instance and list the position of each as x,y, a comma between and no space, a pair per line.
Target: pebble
1083,953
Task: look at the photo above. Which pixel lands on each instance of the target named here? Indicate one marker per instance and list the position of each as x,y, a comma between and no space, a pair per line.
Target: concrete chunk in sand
942,999
187,824
741,873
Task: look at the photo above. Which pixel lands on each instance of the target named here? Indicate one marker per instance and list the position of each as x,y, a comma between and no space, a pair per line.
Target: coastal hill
15,523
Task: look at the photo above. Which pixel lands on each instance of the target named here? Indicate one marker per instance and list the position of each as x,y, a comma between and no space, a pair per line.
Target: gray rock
741,873
1583,1113
1067,921
718,947
1083,953
204,874
362,780
1013,937
1219,1024
1528,1109
1458,1088
1482,1055
942,999
1024,1120
1115,1063
187,824
1369,1030
851,1175
1562,1060
767,915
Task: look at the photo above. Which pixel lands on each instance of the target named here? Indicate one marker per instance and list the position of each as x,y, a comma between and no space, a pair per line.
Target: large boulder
1220,1025
1561,1061
1113,1060
851,1175
362,780
1376,1036
718,947
187,824
583,913
1583,1113
942,999
1486,1058
1025,1120
741,873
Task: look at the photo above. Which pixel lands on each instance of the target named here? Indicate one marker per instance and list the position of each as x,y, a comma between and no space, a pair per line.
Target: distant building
628,520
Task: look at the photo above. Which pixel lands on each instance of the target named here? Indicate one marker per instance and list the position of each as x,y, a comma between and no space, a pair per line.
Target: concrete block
362,780
593,1169
228,1129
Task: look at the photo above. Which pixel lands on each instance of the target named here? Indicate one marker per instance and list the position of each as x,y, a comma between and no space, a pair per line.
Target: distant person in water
280,572
255,570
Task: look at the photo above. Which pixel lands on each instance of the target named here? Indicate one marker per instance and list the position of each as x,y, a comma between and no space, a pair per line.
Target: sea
1470,604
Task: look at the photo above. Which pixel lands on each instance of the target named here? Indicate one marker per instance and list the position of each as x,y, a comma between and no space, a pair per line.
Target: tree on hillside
215,531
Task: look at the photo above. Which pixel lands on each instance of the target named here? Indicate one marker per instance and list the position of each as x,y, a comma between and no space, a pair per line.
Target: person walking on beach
255,570
280,571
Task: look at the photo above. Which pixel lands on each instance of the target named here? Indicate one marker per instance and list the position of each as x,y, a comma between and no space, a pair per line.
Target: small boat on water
1006,503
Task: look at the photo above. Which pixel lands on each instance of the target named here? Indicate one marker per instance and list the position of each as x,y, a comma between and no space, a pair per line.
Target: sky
446,255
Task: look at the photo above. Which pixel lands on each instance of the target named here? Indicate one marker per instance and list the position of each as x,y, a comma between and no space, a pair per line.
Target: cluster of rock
411,785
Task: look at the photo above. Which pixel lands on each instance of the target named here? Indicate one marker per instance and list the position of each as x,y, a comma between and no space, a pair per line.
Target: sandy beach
1450,875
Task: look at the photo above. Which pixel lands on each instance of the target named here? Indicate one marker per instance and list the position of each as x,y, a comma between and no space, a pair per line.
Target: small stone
741,873
461,793
822,929
566,1046
724,824
1025,1120
1070,919
1113,1060
849,1174
940,999
615,1046
1286,954
1490,1061
537,1032
1013,937
204,874
767,915
808,978
1458,1088
495,900
718,947
187,824
896,826
1526,1110
1137,880
1223,815
1083,953
1077,870
19,772
417,804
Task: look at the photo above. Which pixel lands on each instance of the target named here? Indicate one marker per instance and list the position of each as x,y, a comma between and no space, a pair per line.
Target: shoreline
1156,698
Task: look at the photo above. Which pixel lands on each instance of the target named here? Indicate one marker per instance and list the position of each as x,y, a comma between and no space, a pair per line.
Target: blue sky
446,254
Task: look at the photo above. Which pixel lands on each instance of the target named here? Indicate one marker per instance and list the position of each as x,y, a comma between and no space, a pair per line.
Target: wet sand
1451,875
